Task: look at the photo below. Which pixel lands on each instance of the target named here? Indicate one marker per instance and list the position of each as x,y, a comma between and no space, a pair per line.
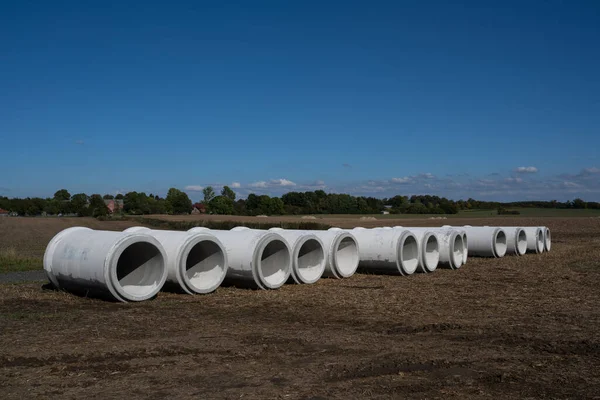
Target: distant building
385,212
113,205
199,208
3,213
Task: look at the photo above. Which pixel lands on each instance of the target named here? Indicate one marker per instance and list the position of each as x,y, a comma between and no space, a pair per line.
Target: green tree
62,195
221,205
180,201
97,206
108,197
209,194
227,192
119,197
579,203
79,204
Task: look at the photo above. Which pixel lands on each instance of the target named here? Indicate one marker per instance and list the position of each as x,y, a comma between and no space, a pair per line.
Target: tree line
291,203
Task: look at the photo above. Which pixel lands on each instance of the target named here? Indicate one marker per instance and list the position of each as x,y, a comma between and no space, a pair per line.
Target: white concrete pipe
341,253
451,245
516,240
486,241
308,255
125,266
260,259
547,238
196,262
535,239
387,250
429,249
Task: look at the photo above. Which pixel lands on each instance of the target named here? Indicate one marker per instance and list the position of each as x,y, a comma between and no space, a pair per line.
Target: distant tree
108,197
221,205
79,204
578,203
97,206
119,197
209,194
227,192
180,202
62,195
136,203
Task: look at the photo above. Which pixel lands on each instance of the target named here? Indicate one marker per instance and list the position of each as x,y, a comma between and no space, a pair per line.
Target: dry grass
517,327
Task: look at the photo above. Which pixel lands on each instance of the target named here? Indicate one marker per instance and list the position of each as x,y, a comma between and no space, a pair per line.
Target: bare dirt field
517,327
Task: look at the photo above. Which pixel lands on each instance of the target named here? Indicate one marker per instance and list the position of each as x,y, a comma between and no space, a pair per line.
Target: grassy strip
12,261
226,225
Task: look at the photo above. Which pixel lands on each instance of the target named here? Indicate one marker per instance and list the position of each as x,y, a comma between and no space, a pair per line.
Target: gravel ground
23,276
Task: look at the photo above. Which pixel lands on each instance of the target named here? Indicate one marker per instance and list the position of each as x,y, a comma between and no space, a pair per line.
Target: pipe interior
410,254
311,260
500,245
346,256
465,248
521,242
540,241
432,253
205,265
274,262
547,240
457,251
140,268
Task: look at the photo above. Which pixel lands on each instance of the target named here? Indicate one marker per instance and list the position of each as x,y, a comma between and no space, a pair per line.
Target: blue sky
490,100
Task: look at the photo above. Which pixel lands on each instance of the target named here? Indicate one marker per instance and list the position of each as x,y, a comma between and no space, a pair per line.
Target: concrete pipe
196,262
259,259
463,233
387,250
451,246
429,250
547,238
308,255
125,266
535,239
486,241
516,240
342,252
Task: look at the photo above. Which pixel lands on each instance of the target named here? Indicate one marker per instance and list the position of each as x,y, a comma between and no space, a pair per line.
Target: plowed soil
516,327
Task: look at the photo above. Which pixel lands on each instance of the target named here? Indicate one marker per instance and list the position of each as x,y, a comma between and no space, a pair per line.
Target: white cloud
526,170
282,182
427,175
320,183
194,188
406,179
259,184
590,171
513,180
235,185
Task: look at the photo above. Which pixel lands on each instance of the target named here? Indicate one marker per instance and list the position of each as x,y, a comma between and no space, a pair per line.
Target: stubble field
523,327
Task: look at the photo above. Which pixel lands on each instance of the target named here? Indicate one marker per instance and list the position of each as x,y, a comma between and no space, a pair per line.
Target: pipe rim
159,272
465,248
310,274
277,279
547,239
431,259
210,280
407,259
500,245
520,241
456,250
539,241
345,260
49,252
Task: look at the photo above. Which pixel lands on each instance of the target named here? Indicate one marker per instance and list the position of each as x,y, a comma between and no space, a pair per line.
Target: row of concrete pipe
135,264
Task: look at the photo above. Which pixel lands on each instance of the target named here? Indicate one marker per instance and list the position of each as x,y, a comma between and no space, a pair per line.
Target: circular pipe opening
500,244
139,271
345,257
431,257
547,240
205,267
409,255
457,251
540,241
310,261
465,248
273,264
521,242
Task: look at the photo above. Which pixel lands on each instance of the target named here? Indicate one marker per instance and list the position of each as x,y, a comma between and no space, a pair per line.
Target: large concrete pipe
387,250
451,246
259,259
196,262
535,239
308,255
429,249
547,238
516,240
125,266
486,241
342,253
